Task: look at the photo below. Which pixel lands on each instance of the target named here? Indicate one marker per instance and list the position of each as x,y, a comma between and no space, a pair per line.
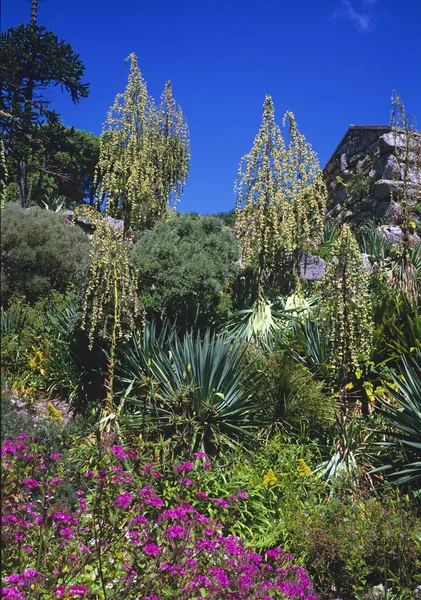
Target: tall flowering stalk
347,306
281,196
144,153
404,274
3,174
110,301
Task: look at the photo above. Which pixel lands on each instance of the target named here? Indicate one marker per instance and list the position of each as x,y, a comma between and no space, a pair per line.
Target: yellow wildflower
270,478
302,469
37,361
54,414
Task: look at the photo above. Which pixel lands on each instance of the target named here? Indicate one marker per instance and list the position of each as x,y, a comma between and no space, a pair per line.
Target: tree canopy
32,59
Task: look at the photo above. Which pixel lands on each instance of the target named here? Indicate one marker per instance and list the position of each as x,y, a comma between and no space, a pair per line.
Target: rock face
365,175
88,227
312,267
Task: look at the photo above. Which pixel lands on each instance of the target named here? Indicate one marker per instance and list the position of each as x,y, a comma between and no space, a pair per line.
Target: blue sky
332,62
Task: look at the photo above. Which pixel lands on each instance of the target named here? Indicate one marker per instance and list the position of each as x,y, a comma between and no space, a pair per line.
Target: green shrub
351,546
185,268
45,352
292,393
40,252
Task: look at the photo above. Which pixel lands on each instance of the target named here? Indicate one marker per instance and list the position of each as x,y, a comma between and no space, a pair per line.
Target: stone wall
365,174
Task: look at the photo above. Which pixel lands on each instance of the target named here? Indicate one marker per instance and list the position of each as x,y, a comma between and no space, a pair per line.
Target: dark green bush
40,252
185,269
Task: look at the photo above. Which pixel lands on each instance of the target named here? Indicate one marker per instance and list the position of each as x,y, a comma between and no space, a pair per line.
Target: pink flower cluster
147,546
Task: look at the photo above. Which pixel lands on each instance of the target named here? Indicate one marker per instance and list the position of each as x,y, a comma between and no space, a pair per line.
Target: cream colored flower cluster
281,196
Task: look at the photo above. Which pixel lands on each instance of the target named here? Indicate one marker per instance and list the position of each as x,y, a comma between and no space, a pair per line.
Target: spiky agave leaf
256,323
265,320
200,393
403,415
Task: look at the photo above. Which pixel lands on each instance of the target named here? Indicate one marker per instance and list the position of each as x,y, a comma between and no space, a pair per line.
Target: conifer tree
281,196
144,153
32,59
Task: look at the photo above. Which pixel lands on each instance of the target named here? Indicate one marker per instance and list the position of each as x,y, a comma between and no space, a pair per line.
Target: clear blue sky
332,62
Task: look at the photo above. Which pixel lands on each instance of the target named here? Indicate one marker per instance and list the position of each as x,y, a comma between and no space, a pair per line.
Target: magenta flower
78,590
154,501
8,448
55,481
31,483
220,502
140,519
119,452
151,549
174,513
14,578
124,500
184,467
220,576
174,531
12,592
67,532
31,574
55,456
186,481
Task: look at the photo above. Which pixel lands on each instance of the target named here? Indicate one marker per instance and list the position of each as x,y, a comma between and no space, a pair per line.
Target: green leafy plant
40,253
292,394
373,242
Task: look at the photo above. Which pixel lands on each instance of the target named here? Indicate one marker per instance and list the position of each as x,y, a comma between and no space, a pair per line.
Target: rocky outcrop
312,267
366,173
86,224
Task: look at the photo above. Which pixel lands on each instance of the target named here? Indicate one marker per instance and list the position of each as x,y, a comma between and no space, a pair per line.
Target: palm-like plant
351,454
398,327
373,242
265,321
260,322
311,347
194,390
403,415
328,235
